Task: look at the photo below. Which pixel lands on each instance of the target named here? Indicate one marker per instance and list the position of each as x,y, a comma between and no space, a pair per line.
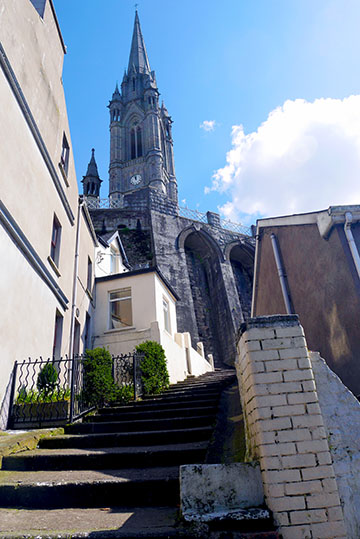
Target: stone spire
138,59
91,181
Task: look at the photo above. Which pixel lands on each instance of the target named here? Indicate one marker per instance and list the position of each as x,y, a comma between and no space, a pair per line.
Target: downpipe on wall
351,241
76,271
281,274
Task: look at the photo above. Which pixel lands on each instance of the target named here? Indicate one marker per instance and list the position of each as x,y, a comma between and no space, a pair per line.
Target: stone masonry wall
285,428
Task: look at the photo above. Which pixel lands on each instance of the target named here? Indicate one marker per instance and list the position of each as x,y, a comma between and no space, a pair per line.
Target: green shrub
33,397
47,379
154,373
123,394
99,386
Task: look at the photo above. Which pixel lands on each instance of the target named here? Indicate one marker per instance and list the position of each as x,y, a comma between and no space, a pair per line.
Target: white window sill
54,266
117,330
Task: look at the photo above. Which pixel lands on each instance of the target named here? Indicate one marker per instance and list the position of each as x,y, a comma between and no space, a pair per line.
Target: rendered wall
33,119
324,289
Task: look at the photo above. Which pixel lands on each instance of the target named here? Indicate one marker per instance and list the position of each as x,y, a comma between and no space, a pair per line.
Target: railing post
12,395
135,374
72,389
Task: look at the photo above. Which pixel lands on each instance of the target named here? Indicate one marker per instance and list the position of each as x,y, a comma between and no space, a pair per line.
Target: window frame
166,314
55,241
65,155
115,300
89,278
58,330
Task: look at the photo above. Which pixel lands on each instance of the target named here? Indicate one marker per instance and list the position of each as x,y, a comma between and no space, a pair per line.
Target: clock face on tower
136,179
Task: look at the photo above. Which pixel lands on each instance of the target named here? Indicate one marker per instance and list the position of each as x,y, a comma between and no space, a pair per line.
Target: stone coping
278,320
15,441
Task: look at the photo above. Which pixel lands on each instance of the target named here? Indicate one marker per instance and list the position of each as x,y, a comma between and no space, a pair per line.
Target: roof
138,57
115,276
324,219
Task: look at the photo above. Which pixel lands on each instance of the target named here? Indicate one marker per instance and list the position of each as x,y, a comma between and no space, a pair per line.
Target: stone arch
195,228
241,255
204,262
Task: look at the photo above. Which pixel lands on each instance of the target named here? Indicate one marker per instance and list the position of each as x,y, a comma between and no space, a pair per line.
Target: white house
140,305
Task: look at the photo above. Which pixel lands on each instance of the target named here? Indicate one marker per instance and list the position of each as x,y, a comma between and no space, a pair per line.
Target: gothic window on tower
136,142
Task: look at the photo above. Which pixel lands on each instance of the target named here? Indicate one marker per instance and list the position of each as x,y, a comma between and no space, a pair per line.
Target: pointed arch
204,234
240,254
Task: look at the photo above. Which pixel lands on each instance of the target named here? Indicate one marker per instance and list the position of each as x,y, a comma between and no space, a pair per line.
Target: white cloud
208,125
304,157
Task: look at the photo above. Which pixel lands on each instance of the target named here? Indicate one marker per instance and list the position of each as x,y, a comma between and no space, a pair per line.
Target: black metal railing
50,392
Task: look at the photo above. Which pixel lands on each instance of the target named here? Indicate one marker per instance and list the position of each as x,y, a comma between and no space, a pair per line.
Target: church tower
141,145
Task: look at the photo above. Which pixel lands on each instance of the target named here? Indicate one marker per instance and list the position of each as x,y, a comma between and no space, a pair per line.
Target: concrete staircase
122,461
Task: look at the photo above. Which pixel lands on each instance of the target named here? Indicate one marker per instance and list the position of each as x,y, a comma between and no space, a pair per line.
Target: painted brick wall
285,428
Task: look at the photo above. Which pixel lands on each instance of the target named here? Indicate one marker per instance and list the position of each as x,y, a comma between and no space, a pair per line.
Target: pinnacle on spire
92,169
116,95
138,58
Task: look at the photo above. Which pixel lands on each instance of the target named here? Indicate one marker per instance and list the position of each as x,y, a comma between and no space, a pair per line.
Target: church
207,261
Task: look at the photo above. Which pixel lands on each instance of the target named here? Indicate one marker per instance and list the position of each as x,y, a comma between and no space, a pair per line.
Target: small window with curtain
166,310
120,315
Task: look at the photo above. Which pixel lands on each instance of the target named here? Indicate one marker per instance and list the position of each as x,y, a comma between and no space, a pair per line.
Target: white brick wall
285,429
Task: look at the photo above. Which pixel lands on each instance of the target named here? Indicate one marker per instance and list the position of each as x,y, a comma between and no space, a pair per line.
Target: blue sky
234,63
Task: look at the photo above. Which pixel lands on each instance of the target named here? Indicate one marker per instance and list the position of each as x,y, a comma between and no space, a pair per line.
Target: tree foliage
154,373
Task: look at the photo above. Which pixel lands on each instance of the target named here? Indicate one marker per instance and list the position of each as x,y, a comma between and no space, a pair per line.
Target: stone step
215,379
158,405
96,523
183,396
90,488
184,393
127,439
153,413
106,458
140,425
107,523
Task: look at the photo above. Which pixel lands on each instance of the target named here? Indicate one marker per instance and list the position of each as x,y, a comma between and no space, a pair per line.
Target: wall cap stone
278,320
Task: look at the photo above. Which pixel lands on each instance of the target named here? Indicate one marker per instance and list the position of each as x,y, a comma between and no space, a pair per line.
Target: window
136,142
87,334
76,349
56,352
166,311
65,152
89,275
113,260
120,308
55,241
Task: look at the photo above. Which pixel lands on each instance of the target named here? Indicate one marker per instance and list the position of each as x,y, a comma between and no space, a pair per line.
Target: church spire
138,58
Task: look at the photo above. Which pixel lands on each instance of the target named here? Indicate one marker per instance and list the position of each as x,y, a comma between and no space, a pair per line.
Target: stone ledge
252,513
12,442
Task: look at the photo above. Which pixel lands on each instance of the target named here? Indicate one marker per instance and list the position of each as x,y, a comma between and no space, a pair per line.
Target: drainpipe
281,274
76,271
254,290
351,241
